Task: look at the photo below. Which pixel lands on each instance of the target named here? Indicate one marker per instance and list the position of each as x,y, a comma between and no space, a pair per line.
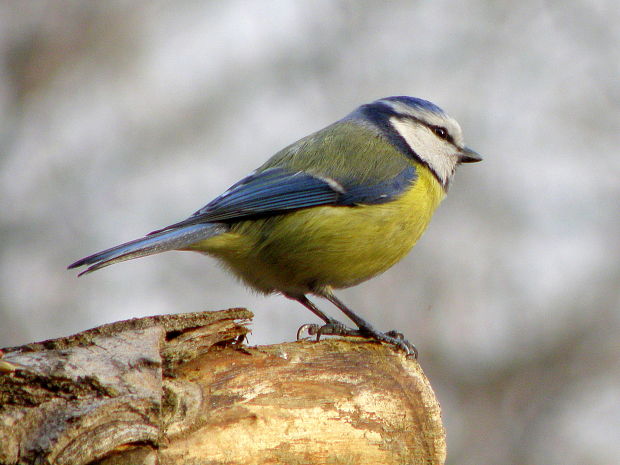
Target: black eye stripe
432,127
439,131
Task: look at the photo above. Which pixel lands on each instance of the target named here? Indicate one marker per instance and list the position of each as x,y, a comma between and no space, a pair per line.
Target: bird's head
421,130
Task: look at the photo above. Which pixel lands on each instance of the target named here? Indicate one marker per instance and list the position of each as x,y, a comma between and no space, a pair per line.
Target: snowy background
121,117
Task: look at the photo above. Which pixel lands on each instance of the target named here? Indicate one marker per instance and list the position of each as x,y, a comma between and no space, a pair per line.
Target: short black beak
468,155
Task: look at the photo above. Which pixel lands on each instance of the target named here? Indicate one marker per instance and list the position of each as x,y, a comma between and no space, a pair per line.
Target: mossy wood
185,389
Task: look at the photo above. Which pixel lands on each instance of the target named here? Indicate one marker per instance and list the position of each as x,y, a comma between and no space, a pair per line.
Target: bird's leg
365,329
331,326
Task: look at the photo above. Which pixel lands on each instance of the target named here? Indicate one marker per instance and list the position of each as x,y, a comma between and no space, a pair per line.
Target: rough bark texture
184,389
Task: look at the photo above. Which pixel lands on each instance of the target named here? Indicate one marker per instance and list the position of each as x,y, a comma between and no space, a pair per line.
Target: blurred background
121,117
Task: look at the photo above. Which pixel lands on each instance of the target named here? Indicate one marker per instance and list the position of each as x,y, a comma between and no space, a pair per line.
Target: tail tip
79,263
86,271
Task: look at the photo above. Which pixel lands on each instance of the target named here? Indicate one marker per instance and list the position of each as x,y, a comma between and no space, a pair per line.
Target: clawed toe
407,347
311,329
403,343
395,334
396,339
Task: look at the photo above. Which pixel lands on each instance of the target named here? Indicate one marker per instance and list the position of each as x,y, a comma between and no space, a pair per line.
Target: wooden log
185,389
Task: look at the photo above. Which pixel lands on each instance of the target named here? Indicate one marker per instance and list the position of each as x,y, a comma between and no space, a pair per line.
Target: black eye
440,132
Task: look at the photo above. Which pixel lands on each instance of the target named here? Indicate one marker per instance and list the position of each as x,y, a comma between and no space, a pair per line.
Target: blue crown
415,103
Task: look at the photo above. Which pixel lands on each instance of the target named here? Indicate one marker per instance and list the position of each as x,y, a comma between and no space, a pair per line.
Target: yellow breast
327,246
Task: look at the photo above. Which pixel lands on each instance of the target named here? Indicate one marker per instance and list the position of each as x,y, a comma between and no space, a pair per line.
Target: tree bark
184,388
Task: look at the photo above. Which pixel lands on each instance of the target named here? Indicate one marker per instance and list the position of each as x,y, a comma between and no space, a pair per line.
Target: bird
334,209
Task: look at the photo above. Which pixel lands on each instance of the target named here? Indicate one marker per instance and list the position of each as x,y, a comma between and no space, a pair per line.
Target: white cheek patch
438,154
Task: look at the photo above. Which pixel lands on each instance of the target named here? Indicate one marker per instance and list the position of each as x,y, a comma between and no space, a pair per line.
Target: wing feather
292,179
276,190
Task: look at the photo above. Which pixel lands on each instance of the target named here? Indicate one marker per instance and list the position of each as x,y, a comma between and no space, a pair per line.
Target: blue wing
271,191
277,190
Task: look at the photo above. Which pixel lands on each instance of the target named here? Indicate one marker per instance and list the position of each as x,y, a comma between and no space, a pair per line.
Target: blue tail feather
171,239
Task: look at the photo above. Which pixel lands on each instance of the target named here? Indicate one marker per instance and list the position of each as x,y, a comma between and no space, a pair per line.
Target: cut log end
167,392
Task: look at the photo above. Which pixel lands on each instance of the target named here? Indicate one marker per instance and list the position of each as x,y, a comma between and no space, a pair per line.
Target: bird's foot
333,328
397,339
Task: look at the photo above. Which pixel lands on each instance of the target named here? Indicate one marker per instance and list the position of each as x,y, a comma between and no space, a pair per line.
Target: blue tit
330,211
